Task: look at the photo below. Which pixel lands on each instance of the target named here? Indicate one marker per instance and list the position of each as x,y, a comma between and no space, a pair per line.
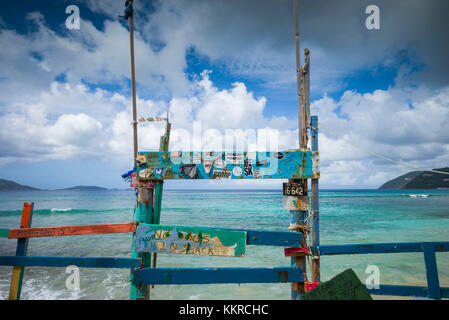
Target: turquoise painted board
189,240
293,164
4,233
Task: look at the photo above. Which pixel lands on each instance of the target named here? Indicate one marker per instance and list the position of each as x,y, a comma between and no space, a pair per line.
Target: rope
379,155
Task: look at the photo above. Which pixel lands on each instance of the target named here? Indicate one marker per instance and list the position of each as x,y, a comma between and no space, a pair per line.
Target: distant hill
419,180
85,188
11,185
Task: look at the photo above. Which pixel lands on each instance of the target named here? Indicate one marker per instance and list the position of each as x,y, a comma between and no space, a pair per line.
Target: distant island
11,185
84,188
7,185
419,180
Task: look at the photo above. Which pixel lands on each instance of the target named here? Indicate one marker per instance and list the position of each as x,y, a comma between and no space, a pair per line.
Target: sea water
346,217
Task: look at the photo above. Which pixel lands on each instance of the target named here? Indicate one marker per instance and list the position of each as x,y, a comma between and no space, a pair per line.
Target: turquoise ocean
346,217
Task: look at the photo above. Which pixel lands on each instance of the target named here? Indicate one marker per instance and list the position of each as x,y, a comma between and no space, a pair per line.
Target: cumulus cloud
255,39
404,124
72,121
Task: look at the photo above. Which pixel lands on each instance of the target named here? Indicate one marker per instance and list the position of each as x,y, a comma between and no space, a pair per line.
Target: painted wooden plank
82,262
169,276
406,291
21,250
270,238
296,203
4,233
433,282
227,165
402,291
289,252
189,240
273,238
371,248
72,230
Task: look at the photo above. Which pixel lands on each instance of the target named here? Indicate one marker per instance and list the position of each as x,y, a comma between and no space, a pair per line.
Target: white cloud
404,124
73,121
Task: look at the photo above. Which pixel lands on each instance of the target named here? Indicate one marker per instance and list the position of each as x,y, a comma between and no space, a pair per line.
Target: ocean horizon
347,216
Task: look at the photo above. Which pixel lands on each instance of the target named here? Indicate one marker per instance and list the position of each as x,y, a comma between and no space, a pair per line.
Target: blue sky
65,102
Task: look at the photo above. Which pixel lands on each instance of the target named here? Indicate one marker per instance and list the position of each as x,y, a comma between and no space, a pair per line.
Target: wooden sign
135,183
294,189
294,164
296,203
189,240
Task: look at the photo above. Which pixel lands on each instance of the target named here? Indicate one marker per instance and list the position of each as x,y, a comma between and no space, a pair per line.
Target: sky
218,66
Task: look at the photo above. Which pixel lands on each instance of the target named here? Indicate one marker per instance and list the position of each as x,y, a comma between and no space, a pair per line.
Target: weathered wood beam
167,276
82,262
72,230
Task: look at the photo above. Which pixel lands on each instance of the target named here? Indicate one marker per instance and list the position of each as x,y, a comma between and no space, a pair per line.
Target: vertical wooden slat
143,214
298,217
22,247
165,139
315,205
430,261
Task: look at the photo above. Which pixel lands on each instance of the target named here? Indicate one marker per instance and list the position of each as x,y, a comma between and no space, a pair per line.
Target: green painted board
189,240
344,286
4,233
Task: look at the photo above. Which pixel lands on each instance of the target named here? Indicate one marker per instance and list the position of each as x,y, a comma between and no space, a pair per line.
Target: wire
379,155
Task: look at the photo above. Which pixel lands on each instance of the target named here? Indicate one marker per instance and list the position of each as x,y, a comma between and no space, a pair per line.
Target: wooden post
165,139
433,283
143,214
22,247
299,217
315,205
144,208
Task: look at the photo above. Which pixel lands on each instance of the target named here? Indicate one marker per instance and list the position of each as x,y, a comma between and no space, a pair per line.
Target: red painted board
72,230
295,251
